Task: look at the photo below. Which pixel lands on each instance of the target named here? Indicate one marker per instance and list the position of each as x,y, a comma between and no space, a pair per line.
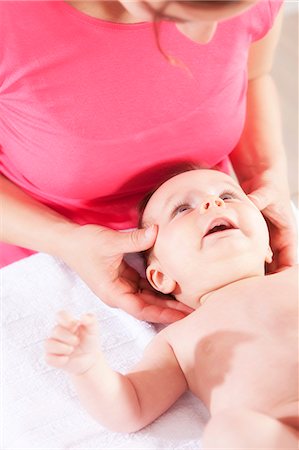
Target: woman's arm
123,403
261,144
28,223
94,252
259,159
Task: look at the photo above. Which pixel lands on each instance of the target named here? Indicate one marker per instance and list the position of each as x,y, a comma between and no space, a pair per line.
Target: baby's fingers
62,334
56,361
67,321
90,324
58,348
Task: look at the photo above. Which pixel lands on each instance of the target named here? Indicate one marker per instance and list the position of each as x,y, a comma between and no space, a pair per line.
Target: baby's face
210,234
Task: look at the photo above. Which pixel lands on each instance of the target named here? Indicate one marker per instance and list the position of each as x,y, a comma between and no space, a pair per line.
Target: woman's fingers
276,208
165,301
134,241
261,197
152,309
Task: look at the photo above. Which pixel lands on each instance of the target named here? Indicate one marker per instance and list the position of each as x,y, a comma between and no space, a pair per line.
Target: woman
97,98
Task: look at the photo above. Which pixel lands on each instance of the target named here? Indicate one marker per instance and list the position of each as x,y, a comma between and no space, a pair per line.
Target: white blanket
40,409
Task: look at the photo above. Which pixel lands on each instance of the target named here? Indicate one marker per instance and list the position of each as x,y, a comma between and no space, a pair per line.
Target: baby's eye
227,196
180,209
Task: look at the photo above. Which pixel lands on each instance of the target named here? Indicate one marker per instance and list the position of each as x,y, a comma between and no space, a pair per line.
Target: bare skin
237,351
95,252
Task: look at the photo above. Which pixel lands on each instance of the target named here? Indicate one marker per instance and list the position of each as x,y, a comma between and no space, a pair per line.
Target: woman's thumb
260,197
137,240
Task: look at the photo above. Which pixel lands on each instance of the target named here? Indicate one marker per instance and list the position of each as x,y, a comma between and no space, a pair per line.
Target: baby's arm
122,403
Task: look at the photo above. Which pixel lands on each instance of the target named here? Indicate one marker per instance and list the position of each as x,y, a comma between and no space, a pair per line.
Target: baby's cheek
171,256
250,220
256,228
259,224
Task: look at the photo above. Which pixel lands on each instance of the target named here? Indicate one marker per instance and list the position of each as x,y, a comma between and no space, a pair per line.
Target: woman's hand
97,254
271,196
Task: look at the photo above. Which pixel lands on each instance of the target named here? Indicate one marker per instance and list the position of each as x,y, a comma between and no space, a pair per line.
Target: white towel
40,409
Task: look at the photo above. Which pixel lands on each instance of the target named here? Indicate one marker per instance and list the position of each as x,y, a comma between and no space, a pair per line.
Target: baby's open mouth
219,225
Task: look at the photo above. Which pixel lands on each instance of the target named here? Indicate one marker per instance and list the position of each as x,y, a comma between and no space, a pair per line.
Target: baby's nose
213,202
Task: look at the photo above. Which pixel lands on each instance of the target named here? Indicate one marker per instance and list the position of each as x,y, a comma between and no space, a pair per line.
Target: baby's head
209,235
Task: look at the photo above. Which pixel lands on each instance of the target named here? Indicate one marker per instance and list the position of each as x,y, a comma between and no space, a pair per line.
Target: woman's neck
110,10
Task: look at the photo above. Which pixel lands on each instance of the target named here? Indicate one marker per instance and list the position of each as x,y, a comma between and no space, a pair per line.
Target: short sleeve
262,17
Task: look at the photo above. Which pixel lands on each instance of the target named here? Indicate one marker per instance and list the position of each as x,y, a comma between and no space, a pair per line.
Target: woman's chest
102,113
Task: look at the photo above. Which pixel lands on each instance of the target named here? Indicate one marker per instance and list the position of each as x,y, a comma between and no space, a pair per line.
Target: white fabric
40,409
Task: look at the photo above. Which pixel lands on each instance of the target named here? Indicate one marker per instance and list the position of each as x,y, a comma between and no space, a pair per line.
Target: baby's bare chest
241,344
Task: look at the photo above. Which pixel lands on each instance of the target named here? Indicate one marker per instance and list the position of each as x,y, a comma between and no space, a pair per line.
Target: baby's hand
74,344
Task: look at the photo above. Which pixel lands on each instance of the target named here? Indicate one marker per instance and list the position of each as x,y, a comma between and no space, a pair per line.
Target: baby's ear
269,255
158,279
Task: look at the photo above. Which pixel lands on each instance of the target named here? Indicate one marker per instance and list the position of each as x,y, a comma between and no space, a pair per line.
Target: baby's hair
176,170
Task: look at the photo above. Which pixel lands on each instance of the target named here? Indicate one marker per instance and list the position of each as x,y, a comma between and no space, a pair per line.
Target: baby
237,351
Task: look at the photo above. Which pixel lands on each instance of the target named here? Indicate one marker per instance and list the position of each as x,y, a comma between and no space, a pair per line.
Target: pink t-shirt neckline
91,117
101,22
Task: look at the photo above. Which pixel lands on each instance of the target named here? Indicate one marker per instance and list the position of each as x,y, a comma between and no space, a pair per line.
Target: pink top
91,112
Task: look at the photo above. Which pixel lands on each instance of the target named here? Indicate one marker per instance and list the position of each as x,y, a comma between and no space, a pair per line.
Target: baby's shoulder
292,270
290,274
279,286
273,285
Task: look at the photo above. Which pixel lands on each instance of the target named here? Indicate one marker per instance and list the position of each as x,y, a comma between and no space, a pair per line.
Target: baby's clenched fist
73,344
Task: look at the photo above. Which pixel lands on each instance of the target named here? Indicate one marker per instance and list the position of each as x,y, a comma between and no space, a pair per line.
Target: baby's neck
204,297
